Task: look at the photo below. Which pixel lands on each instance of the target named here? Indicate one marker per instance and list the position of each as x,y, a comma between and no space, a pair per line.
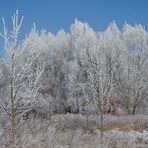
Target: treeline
79,71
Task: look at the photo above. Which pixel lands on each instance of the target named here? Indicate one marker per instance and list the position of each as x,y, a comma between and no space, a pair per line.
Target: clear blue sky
53,15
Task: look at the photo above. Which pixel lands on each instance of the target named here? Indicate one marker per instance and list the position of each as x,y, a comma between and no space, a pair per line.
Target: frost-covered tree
135,83
23,74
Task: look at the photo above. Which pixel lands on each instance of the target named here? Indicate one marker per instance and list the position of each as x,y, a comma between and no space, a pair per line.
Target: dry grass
127,123
77,131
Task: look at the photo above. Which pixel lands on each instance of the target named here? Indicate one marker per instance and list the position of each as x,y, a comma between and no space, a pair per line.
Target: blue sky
53,15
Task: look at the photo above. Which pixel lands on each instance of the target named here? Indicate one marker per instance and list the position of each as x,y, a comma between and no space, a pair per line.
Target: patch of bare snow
127,136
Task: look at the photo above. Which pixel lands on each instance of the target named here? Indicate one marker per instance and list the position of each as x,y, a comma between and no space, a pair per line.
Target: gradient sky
53,15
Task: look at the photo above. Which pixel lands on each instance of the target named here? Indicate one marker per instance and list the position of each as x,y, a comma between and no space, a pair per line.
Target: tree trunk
13,102
13,116
101,122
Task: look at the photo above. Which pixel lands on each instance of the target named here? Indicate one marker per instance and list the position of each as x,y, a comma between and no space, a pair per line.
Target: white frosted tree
23,77
113,53
135,83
